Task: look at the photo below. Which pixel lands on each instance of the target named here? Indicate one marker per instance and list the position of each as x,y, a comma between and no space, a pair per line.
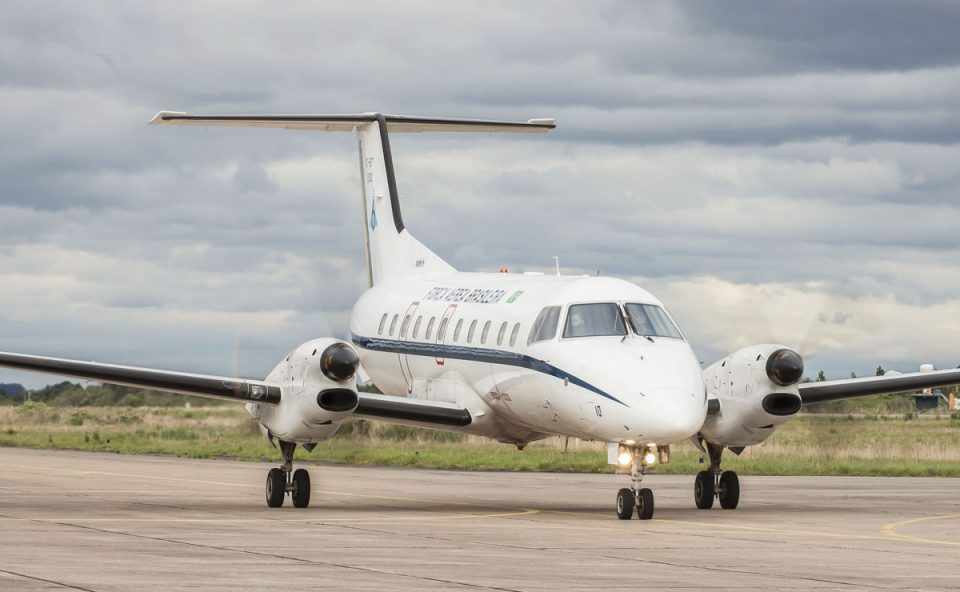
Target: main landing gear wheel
301,488
704,490
725,486
728,490
276,487
284,479
645,504
625,503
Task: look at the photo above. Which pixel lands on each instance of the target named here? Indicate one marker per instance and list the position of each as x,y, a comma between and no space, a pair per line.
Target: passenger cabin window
393,324
442,331
430,328
416,327
456,331
545,327
649,320
486,331
594,320
514,334
383,323
404,326
501,333
471,330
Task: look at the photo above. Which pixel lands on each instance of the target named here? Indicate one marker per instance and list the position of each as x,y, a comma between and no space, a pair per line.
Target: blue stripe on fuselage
475,354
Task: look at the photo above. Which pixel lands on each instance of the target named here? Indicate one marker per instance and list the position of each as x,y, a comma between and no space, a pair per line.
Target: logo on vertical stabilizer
373,217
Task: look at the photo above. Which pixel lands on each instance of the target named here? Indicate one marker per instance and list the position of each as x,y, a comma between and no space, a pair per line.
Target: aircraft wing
385,407
833,390
216,387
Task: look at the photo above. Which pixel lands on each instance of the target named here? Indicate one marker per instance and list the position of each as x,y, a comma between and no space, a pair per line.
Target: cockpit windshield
649,320
594,320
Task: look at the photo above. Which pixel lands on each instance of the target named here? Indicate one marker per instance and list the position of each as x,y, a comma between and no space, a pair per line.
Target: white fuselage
414,338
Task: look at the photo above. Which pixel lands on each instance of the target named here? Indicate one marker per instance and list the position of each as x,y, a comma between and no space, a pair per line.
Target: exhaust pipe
338,400
781,404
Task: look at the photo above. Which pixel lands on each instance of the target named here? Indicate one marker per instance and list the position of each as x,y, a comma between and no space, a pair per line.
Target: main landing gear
636,497
284,480
714,483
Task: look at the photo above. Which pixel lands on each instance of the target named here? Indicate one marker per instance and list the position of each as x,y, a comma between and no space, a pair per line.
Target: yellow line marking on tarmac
890,530
772,530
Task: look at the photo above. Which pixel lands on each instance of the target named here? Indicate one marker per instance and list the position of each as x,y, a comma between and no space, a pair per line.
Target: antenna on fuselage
556,263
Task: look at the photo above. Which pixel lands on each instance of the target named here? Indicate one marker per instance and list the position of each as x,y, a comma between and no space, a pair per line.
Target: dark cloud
849,35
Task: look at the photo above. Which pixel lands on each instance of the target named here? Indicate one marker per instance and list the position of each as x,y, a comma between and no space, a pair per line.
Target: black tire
276,487
703,490
729,491
301,488
644,504
625,503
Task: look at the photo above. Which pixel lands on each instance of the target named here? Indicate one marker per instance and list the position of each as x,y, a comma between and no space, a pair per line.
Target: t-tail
390,250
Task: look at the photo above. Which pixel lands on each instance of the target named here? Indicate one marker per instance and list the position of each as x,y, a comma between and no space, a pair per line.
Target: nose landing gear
284,480
635,496
714,483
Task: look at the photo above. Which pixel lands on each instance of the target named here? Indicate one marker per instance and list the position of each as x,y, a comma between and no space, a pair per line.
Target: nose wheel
635,497
639,499
626,500
714,483
283,480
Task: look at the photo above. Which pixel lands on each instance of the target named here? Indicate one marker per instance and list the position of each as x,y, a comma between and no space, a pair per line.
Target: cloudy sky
773,171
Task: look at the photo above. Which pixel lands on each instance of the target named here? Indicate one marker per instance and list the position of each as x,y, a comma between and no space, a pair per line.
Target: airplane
515,357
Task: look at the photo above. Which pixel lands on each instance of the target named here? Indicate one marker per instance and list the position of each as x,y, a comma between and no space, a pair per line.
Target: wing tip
547,122
165,116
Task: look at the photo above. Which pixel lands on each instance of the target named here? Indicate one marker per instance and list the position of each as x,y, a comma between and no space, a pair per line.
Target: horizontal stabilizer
346,123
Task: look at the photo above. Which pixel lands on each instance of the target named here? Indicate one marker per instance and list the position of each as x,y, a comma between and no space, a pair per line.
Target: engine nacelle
319,391
751,392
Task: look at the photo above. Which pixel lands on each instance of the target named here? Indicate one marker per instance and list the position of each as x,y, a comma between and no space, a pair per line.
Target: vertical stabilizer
390,249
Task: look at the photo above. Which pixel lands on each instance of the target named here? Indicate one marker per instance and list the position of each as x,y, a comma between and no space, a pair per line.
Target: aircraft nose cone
679,415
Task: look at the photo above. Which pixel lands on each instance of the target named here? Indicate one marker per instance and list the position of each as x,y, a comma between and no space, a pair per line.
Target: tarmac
103,522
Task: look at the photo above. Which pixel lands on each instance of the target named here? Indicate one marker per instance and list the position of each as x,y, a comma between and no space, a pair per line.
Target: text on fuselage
475,295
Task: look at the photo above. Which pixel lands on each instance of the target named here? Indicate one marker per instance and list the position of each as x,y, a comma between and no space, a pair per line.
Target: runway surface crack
300,560
580,553
46,580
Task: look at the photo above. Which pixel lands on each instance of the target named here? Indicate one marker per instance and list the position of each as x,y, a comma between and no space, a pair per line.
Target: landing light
625,458
649,458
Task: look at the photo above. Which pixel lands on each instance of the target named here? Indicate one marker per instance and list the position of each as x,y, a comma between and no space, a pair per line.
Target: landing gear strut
284,480
635,496
724,485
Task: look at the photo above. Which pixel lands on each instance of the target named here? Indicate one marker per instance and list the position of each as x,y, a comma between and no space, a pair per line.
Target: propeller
804,325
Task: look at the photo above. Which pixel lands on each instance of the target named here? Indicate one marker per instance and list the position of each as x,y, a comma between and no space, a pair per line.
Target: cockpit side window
594,320
545,327
649,320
